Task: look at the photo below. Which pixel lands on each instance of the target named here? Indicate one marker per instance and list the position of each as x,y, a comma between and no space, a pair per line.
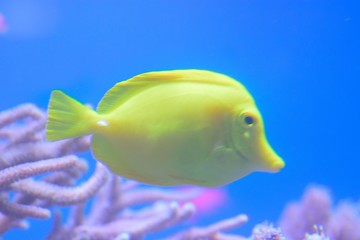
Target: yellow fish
171,128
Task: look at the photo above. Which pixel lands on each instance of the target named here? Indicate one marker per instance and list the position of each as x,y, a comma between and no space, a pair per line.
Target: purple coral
267,232
111,215
3,24
24,155
300,219
35,175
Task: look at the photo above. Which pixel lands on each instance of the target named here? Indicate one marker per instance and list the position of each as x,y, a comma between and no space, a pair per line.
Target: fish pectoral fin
221,153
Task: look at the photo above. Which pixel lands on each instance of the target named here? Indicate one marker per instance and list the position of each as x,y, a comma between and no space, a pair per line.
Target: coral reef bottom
37,177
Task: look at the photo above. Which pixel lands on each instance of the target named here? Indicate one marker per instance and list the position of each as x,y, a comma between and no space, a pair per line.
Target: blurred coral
35,175
203,206
3,24
341,222
317,235
314,208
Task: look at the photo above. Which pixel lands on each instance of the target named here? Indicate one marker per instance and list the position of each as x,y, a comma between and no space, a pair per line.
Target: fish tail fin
67,118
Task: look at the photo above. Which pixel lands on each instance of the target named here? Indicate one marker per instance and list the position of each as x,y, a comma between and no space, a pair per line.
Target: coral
25,155
265,231
345,222
3,24
317,235
300,217
111,215
36,175
340,222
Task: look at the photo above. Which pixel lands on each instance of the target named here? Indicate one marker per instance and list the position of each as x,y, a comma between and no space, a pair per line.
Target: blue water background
299,59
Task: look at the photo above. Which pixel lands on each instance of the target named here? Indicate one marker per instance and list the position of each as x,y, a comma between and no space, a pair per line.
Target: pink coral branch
21,211
20,112
3,24
136,228
25,170
64,196
35,151
25,154
316,208
212,230
149,195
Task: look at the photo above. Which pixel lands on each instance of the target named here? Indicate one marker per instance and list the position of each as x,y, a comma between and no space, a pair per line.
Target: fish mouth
276,165
271,161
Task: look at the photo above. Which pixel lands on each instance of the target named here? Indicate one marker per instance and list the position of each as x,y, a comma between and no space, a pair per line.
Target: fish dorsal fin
190,75
122,91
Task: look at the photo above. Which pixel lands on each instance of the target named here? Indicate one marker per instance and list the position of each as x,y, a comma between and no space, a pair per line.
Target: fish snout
271,161
276,165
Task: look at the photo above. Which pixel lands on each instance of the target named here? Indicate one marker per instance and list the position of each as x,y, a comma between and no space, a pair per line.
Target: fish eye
248,120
